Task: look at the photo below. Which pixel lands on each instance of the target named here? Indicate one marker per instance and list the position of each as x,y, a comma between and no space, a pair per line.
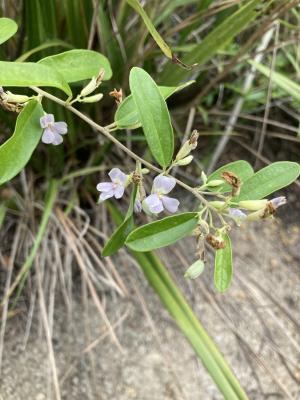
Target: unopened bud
252,205
92,99
215,183
195,270
204,177
89,88
145,171
217,204
93,84
188,146
14,98
257,215
184,161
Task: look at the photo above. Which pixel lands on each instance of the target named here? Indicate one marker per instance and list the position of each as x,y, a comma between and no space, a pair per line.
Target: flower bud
93,84
14,98
184,161
194,270
252,205
217,204
256,215
204,177
214,183
92,99
89,88
145,171
184,151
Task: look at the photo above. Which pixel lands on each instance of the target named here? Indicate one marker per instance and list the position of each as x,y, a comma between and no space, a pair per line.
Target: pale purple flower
137,206
278,201
52,130
157,201
236,213
115,188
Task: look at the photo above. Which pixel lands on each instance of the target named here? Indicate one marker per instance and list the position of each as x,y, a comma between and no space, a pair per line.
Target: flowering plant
228,197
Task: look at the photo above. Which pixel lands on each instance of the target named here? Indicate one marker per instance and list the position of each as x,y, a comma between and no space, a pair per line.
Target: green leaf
8,28
240,168
26,74
153,114
17,150
77,65
119,236
126,116
268,180
223,266
162,233
153,32
217,39
282,81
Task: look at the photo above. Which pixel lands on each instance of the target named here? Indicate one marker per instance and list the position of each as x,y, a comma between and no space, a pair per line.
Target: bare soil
256,325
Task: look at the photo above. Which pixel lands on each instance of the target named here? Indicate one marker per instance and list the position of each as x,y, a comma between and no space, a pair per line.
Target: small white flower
52,130
115,188
158,201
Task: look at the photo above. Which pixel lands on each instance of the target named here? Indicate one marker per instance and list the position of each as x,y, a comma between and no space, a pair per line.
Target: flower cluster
155,203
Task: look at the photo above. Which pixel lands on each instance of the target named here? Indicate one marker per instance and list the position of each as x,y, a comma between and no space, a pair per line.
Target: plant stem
105,132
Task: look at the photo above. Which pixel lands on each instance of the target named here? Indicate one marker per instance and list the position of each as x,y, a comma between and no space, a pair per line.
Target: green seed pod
195,270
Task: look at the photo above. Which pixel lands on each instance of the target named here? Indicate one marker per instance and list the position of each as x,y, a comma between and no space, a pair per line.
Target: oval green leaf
162,233
117,240
78,65
126,116
17,150
31,74
223,266
153,114
8,28
268,180
240,168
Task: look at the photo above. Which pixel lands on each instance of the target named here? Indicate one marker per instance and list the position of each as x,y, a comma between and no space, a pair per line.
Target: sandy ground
256,325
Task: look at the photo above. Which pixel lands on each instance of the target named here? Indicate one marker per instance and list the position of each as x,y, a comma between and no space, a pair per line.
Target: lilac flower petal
46,120
137,206
163,184
236,213
154,204
48,136
60,127
278,201
116,175
57,139
119,191
105,186
106,195
170,204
